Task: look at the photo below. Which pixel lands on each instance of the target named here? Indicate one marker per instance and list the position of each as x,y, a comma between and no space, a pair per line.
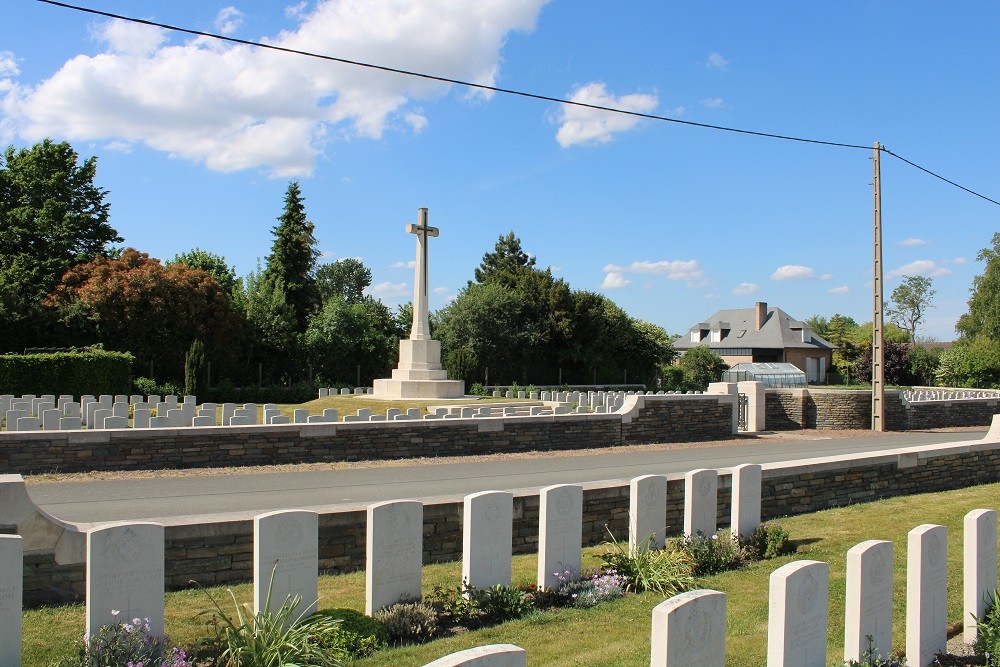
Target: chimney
761,308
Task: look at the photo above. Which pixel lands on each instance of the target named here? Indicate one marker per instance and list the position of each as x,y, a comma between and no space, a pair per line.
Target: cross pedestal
419,374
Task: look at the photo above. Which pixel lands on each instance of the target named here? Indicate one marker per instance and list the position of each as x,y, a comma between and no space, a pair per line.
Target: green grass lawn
616,633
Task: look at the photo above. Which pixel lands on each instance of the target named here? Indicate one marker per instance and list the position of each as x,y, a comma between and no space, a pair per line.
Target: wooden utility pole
878,351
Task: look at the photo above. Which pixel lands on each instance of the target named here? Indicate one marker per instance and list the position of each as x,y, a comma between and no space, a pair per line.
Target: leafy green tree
924,364
702,366
909,302
211,263
505,262
975,363
403,319
269,334
52,217
345,336
293,258
346,278
983,318
897,363
195,365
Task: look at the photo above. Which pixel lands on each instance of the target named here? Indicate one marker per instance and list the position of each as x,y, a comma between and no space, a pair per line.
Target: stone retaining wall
644,419
788,409
221,552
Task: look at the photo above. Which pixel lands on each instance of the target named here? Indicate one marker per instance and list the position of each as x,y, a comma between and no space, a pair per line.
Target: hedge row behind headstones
89,371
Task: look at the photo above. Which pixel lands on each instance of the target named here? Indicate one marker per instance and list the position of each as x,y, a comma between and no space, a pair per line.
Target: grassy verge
616,633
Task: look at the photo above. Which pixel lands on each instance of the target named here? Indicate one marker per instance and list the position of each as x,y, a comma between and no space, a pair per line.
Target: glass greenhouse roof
771,374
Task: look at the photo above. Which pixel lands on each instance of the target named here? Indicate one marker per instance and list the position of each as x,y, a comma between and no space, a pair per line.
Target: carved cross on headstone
420,329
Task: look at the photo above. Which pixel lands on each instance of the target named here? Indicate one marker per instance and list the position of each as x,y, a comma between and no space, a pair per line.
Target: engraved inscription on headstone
394,553
700,502
926,593
690,629
11,574
868,610
797,615
560,532
486,538
744,514
647,512
125,574
286,560
979,557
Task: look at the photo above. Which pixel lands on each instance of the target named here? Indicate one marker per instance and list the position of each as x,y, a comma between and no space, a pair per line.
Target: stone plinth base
418,388
419,374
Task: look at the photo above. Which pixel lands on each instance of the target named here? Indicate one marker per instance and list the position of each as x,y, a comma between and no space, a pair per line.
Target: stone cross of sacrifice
421,328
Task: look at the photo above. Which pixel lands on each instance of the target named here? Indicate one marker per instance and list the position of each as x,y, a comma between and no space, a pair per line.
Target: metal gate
744,404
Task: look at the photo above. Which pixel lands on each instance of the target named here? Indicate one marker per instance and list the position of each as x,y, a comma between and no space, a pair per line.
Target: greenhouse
773,375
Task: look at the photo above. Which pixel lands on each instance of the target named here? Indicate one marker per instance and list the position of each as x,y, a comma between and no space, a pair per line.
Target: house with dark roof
762,334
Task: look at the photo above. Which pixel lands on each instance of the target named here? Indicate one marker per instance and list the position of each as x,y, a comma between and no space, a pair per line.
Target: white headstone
394,553
140,418
744,511
286,544
301,415
868,609
493,655
797,615
125,574
926,593
560,532
701,494
979,551
11,578
647,512
487,532
690,629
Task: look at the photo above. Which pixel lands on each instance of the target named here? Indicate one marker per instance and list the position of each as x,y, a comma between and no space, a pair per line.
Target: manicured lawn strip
615,633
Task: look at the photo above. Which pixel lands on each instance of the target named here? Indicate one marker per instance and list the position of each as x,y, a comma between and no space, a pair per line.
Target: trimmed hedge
89,371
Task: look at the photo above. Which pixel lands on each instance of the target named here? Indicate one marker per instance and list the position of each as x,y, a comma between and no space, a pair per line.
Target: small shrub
457,606
668,571
595,587
988,632
409,622
500,604
711,555
144,386
478,389
125,643
357,635
769,540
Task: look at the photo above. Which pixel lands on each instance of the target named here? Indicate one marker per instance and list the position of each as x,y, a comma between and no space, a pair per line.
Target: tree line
66,282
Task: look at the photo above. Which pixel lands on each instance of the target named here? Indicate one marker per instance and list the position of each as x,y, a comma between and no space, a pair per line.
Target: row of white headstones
125,571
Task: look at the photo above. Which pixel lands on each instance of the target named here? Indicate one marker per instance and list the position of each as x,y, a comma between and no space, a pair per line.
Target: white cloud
957,261
232,107
921,267
416,120
678,269
711,295
793,272
404,265
843,289
579,125
712,103
440,290
295,11
716,61
911,241
388,290
8,65
826,276
614,280
746,288
118,146
228,20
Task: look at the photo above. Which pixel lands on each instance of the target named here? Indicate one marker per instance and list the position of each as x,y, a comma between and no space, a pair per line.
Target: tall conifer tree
293,257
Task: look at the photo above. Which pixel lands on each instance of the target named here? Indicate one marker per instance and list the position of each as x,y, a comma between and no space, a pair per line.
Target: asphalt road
169,498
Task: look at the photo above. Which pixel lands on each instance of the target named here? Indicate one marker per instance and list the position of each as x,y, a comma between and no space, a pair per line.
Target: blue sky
197,139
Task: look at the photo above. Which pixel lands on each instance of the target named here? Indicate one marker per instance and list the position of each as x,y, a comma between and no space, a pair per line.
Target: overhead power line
505,91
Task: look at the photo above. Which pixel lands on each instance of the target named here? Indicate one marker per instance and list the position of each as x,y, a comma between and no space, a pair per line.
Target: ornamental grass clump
125,643
271,638
713,554
987,644
664,571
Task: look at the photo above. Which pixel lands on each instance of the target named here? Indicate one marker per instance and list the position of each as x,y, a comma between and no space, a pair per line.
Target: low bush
125,643
472,607
357,635
713,554
499,604
409,622
593,587
769,540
